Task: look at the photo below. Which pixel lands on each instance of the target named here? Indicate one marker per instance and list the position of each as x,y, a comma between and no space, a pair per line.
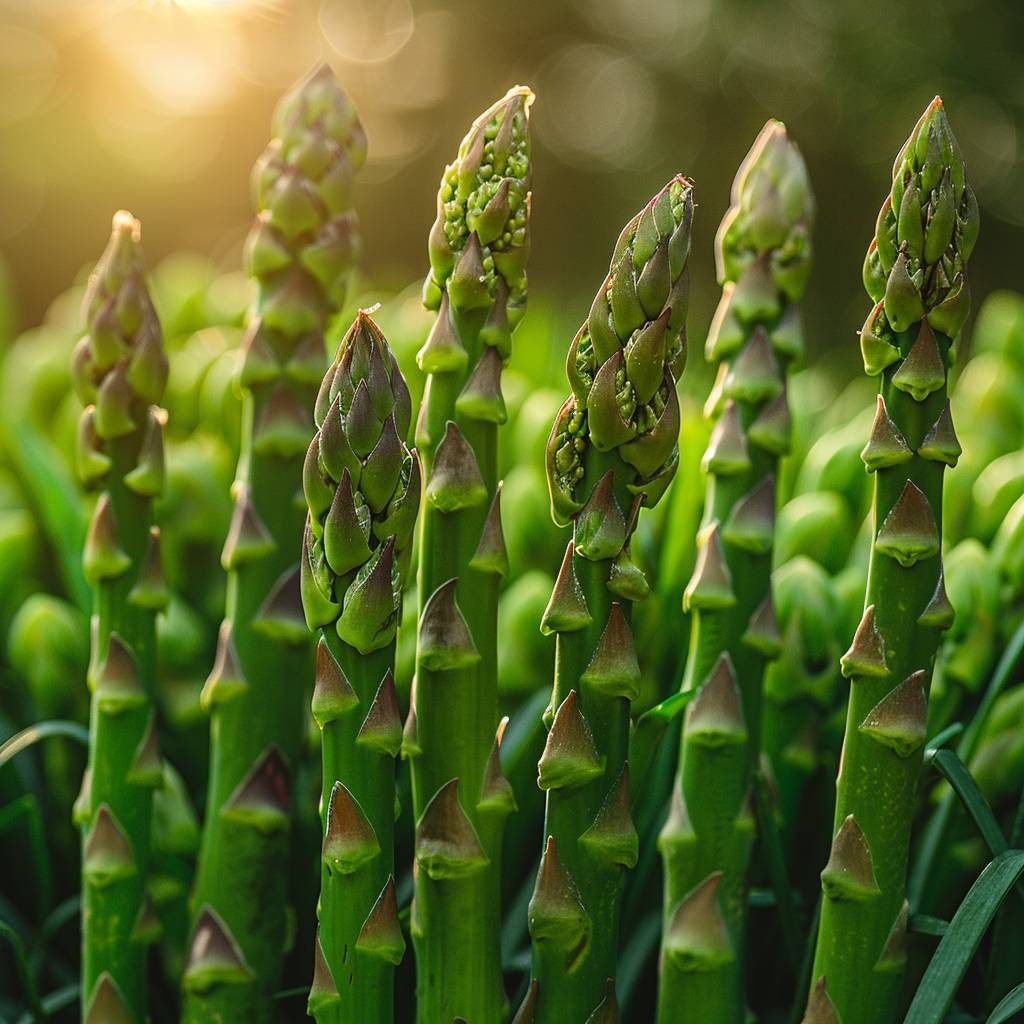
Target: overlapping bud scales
766,232
305,239
915,267
623,364
362,485
480,241
120,367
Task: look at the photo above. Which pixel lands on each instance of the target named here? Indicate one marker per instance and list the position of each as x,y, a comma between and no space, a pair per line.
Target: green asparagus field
443,653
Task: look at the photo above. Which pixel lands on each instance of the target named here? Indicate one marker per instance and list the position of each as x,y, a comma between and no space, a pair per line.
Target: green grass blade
648,733
956,774
942,738
1012,1003
935,831
1008,664
956,950
643,941
40,731
59,999
36,1012
25,809
803,982
925,924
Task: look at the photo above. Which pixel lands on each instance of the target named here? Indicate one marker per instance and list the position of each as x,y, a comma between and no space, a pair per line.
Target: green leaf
956,950
642,943
40,731
803,982
56,1001
26,809
1011,1003
934,833
647,734
956,774
37,1014
925,924
940,739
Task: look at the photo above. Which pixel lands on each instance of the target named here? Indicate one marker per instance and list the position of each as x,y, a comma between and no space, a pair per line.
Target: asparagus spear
764,257
299,252
915,272
120,370
613,447
477,283
362,487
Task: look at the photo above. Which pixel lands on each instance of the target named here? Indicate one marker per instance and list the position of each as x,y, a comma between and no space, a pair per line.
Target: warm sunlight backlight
215,6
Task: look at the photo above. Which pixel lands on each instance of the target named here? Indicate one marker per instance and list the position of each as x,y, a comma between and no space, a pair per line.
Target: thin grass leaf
40,731
56,1001
25,809
1008,664
776,864
956,950
934,832
62,914
1012,1003
803,981
643,941
513,929
36,1014
648,733
942,738
925,924
956,774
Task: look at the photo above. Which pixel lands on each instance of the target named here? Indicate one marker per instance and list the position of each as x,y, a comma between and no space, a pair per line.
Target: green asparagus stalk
299,253
120,371
764,257
915,272
613,448
362,487
477,283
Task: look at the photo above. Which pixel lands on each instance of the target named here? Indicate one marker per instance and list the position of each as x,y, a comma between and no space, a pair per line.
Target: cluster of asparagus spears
327,536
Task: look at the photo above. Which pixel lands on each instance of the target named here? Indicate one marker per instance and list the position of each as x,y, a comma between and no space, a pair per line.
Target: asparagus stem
299,252
477,283
362,487
613,447
916,273
120,370
764,258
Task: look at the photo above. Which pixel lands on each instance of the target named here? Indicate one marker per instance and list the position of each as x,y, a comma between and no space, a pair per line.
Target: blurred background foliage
160,106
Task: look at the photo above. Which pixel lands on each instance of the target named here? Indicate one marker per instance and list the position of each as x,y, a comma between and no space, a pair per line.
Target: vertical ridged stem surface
613,448
362,488
915,272
764,259
120,369
299,252
477,284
